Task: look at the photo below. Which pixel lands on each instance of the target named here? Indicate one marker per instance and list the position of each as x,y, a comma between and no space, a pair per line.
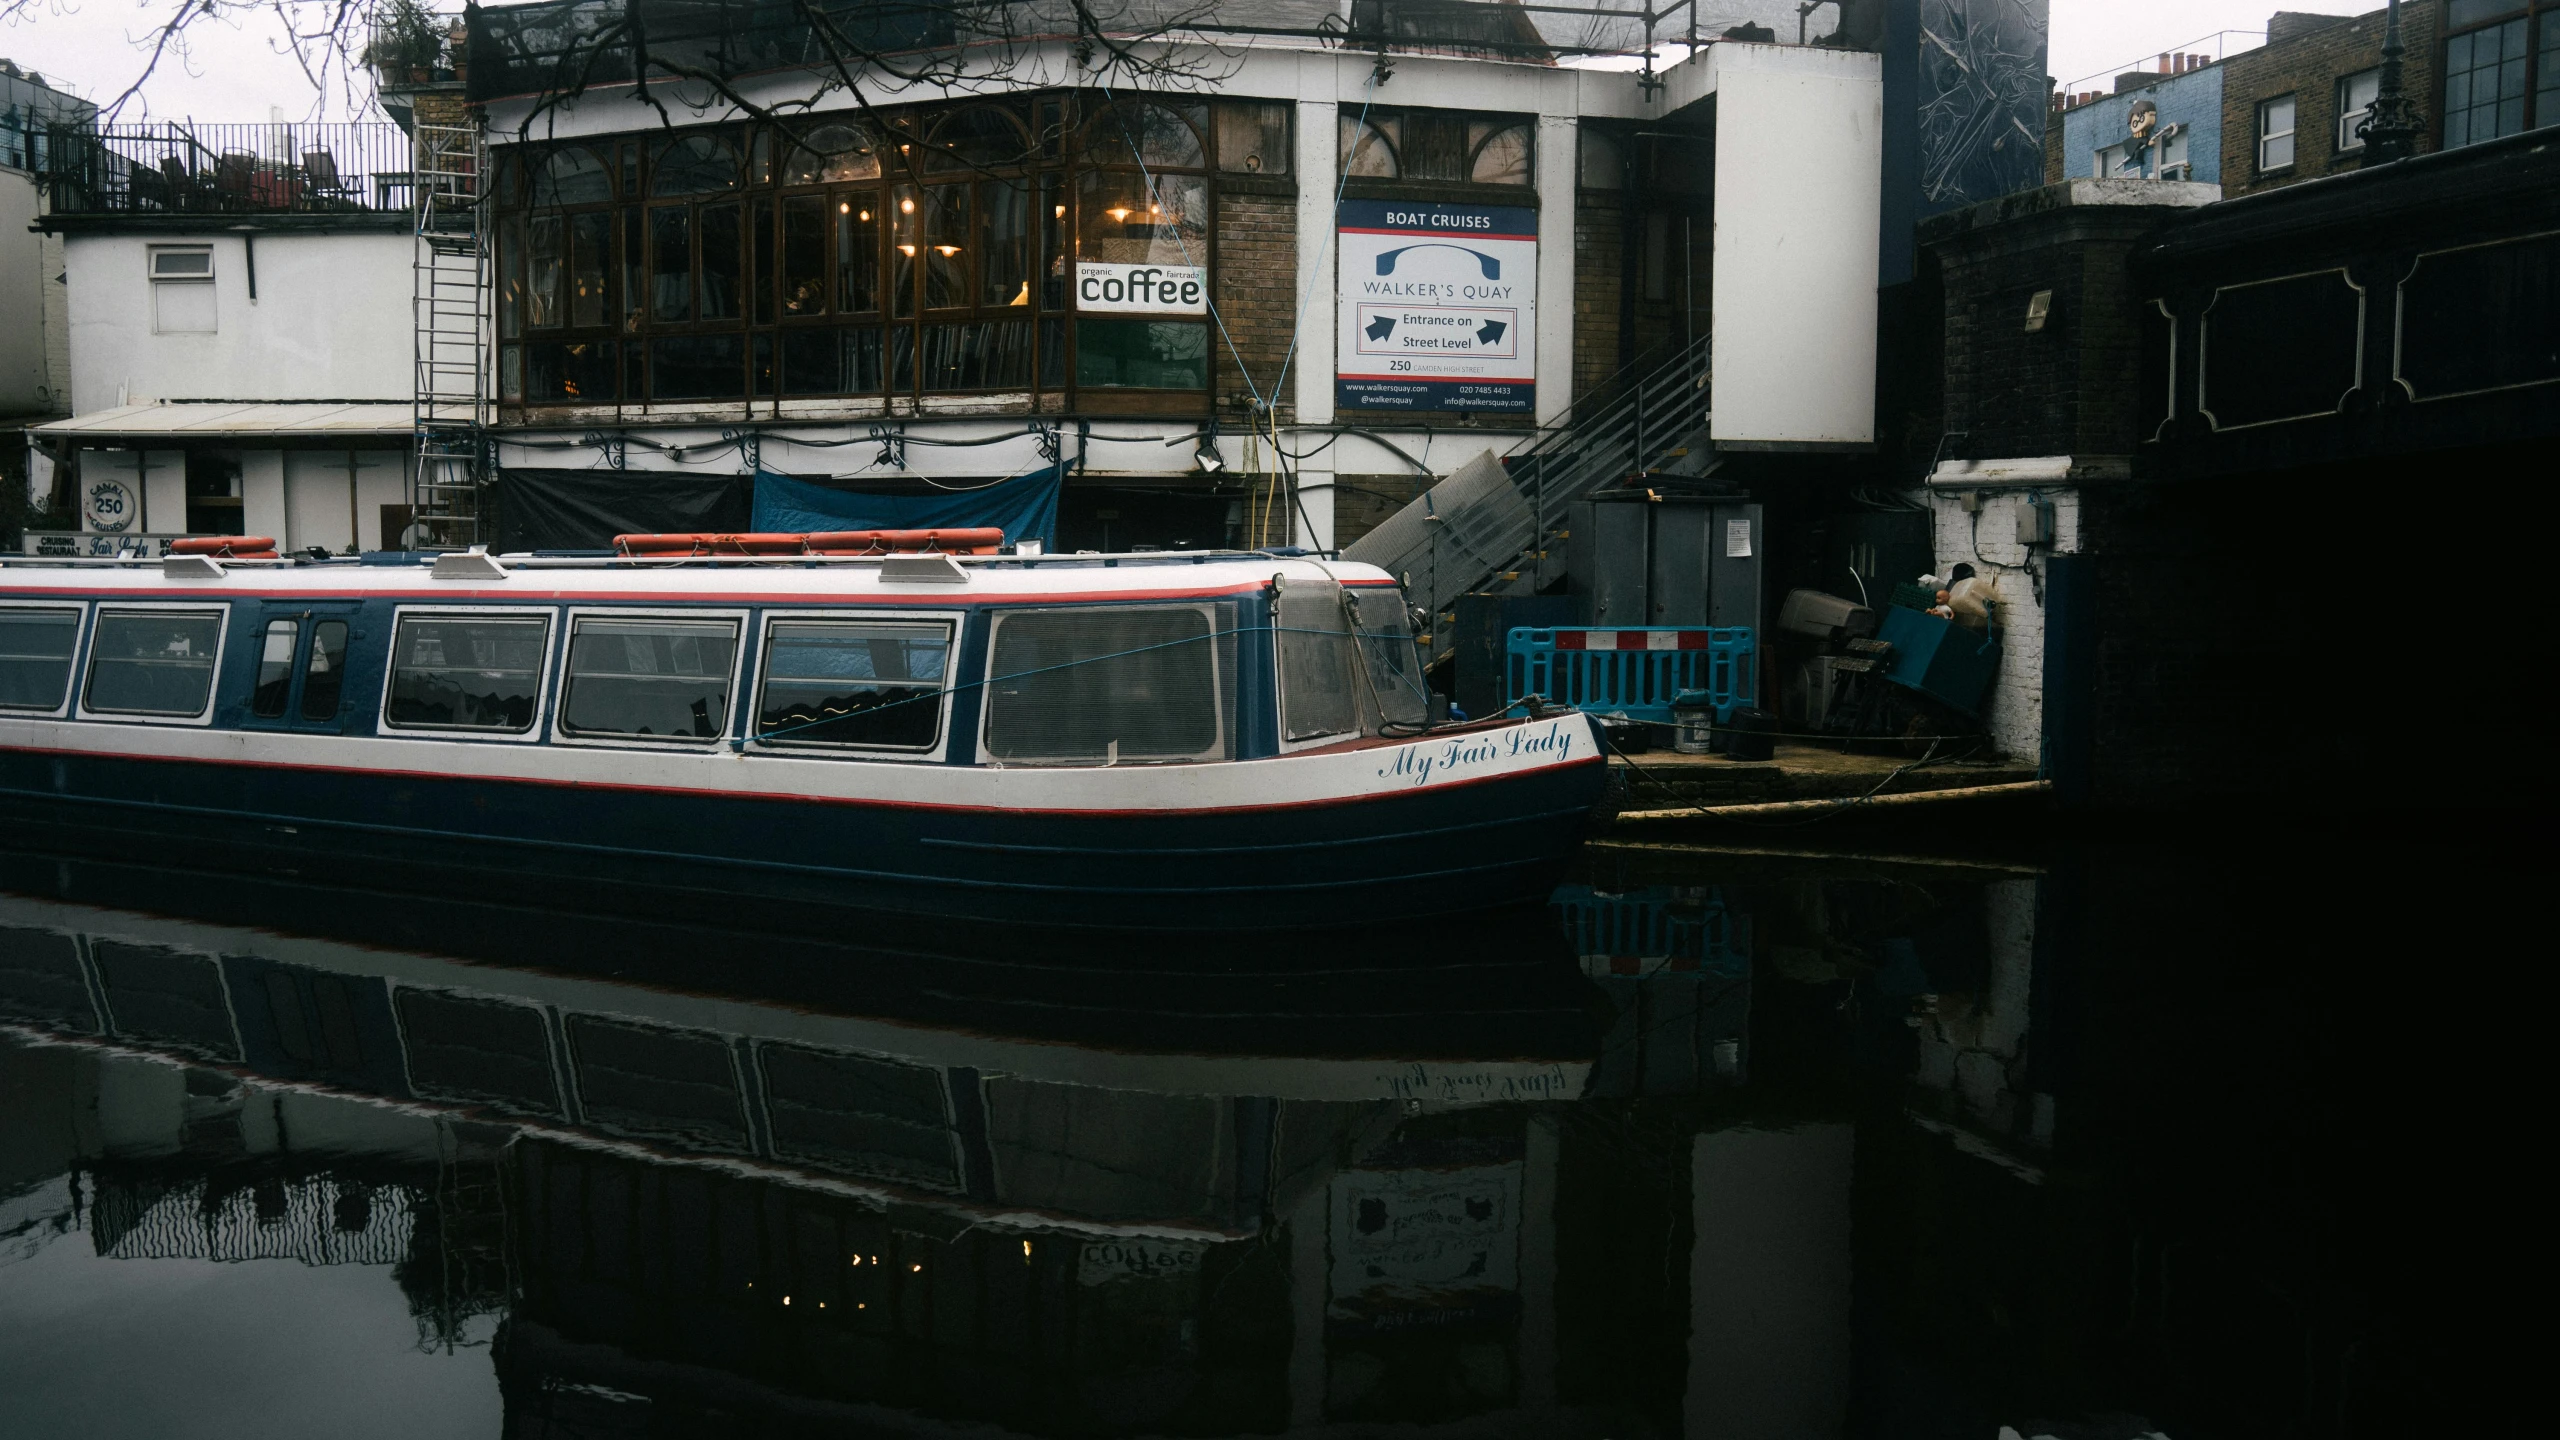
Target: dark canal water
2227,1137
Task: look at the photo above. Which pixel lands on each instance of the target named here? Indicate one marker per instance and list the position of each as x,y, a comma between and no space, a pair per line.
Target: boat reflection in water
660,1202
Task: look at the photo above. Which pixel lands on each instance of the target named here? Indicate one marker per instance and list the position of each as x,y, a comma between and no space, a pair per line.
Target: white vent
922,570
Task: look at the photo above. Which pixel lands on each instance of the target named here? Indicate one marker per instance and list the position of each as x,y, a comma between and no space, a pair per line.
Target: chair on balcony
322,181
149,189
232,176
178,186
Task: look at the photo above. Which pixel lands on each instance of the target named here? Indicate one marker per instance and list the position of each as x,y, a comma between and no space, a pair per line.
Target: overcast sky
241,69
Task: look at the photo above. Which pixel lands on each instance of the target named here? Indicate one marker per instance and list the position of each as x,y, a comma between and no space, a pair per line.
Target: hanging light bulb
906,207
907,250
865,215
1118,213
948,250
1062,212
845,207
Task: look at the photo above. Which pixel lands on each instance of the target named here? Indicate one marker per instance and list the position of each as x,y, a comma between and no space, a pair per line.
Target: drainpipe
249,254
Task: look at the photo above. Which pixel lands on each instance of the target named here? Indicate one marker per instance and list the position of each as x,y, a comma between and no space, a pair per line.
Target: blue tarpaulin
1024,507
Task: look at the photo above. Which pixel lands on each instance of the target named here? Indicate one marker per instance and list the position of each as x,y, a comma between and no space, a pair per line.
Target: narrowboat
891,723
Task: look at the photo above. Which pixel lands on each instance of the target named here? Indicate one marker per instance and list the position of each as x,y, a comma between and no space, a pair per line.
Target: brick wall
1600,260
1362,502
2069,388
1258,293
1599,231
2307,63
2052,146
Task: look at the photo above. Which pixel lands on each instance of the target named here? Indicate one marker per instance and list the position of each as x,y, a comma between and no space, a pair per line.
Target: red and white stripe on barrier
1633,639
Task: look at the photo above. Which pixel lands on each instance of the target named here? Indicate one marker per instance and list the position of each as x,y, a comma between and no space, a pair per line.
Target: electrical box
2035,521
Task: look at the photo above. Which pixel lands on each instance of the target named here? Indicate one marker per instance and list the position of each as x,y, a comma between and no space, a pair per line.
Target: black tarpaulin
585,509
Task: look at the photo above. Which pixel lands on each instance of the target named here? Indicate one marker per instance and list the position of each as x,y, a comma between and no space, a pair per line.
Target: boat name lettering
1420,763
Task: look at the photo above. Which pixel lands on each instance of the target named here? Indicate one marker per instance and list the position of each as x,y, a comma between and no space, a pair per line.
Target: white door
319,501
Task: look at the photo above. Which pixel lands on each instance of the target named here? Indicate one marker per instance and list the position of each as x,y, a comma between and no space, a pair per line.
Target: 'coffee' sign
1142,289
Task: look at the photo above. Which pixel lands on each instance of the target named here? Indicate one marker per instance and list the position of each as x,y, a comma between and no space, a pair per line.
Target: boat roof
935,580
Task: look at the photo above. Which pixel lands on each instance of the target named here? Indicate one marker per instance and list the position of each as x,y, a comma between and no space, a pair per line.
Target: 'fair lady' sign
1449,759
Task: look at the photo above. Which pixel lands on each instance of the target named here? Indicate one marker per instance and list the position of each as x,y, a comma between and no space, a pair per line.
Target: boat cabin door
302,666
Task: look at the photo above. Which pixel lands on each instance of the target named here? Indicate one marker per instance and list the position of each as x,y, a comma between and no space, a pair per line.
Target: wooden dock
1806,779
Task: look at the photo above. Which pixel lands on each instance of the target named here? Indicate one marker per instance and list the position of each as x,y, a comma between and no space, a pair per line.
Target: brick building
2290,107
2041,395
887,292
2228,406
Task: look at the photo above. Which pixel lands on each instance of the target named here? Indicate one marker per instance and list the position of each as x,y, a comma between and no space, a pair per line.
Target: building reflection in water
1776,1156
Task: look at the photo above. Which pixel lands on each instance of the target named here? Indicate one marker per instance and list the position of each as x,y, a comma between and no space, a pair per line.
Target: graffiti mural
1982,99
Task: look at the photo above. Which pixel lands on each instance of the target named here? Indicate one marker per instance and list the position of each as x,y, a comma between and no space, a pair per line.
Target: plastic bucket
1693,720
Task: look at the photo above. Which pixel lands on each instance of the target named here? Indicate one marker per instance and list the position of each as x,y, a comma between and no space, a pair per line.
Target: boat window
866,1114
153,662
1106,685
649,679
853,682
324,675
275,668
488,1052
35,657
1316,656
456,673
1394,694
674,1084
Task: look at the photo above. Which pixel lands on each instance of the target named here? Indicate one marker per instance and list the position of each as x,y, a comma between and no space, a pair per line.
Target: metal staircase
449,309
1483,530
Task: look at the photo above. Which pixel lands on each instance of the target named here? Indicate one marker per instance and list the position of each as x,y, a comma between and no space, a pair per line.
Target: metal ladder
449,312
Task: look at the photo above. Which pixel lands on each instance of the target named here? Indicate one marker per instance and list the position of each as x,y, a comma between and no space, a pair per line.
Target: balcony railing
181,167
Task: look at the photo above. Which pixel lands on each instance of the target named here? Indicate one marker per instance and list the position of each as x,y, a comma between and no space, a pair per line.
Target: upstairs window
928,250
2484,83
2275,133
182,296
1440,145
2355,102
451,672
1253,137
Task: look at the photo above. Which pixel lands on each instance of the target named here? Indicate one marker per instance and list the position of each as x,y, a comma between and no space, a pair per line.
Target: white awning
201,419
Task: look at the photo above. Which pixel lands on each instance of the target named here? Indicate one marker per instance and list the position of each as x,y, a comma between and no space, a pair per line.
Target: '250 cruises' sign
1439,306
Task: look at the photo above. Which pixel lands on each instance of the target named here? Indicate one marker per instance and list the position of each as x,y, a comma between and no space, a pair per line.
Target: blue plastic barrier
1633,671
1654,929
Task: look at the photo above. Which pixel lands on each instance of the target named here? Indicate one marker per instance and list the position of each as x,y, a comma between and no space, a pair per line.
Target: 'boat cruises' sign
1439,306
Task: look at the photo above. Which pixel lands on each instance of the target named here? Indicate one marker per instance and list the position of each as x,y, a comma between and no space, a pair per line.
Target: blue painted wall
2193,100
